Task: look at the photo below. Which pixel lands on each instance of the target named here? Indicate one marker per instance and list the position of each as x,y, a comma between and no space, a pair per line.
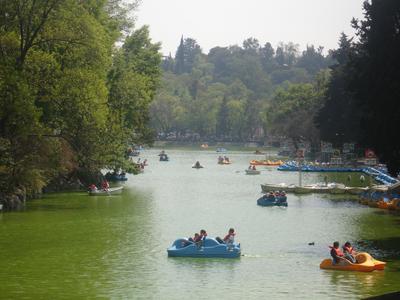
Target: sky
228,22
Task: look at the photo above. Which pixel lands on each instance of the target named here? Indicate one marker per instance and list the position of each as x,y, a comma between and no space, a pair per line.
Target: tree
339,117
60,116
186,54
374,73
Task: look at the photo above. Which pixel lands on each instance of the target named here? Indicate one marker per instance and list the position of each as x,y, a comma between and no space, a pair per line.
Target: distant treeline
70,101
242,93
232,93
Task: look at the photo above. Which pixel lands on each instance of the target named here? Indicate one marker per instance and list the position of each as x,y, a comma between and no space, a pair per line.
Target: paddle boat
266,163
272,199
252,172
207,248
116,177
365,263
224,160
197,165
164,157
107,192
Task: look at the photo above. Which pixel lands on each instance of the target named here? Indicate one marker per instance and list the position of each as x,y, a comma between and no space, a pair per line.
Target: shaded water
67,246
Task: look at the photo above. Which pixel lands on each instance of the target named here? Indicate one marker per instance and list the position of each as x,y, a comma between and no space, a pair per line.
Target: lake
70,245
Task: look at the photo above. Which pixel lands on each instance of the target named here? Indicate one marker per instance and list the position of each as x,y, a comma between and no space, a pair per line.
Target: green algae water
72,246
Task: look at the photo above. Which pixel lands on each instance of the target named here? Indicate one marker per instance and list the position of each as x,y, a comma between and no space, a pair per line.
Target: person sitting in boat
93,187
226,158
336,253
195,239
230,237
197,164
349,252
105,185
254,168
203,235
250,167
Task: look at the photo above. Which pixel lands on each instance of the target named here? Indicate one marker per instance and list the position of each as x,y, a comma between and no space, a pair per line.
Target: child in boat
203,235
230,237
93,187
336,253
349,252
195,238
105,185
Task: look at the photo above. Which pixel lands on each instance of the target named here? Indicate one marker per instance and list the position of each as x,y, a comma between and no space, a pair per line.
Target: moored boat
277,187
207,248
110,191
266,163
303,189
356,190
337,188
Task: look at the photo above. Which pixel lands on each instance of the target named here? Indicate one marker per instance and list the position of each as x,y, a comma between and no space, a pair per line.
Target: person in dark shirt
336,253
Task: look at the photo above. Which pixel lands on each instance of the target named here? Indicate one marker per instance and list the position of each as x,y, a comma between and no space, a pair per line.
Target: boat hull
208,248
253,172
110,191
366,263
276,187
272,201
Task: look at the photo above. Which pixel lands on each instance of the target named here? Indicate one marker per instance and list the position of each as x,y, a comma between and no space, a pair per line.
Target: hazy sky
228,22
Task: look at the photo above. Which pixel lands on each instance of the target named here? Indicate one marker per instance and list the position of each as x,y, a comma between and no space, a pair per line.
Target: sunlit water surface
68,246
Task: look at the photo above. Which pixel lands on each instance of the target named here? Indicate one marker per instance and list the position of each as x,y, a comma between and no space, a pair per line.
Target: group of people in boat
252,167
222,159
198,238
341,256
104,186
275,194
141,164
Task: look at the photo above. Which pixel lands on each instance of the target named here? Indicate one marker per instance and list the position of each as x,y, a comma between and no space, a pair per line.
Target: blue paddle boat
272,200
116,177
164,157
210,247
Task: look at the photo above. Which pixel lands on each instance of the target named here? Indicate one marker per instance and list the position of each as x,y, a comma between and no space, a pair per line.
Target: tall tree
338,119
375,74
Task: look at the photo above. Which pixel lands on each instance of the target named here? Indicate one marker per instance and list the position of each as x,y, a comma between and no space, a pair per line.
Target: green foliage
364,86
293,108
223,95
71,103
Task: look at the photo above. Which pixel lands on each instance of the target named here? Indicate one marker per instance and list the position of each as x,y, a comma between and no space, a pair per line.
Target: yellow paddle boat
266,163
365,263
394,204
